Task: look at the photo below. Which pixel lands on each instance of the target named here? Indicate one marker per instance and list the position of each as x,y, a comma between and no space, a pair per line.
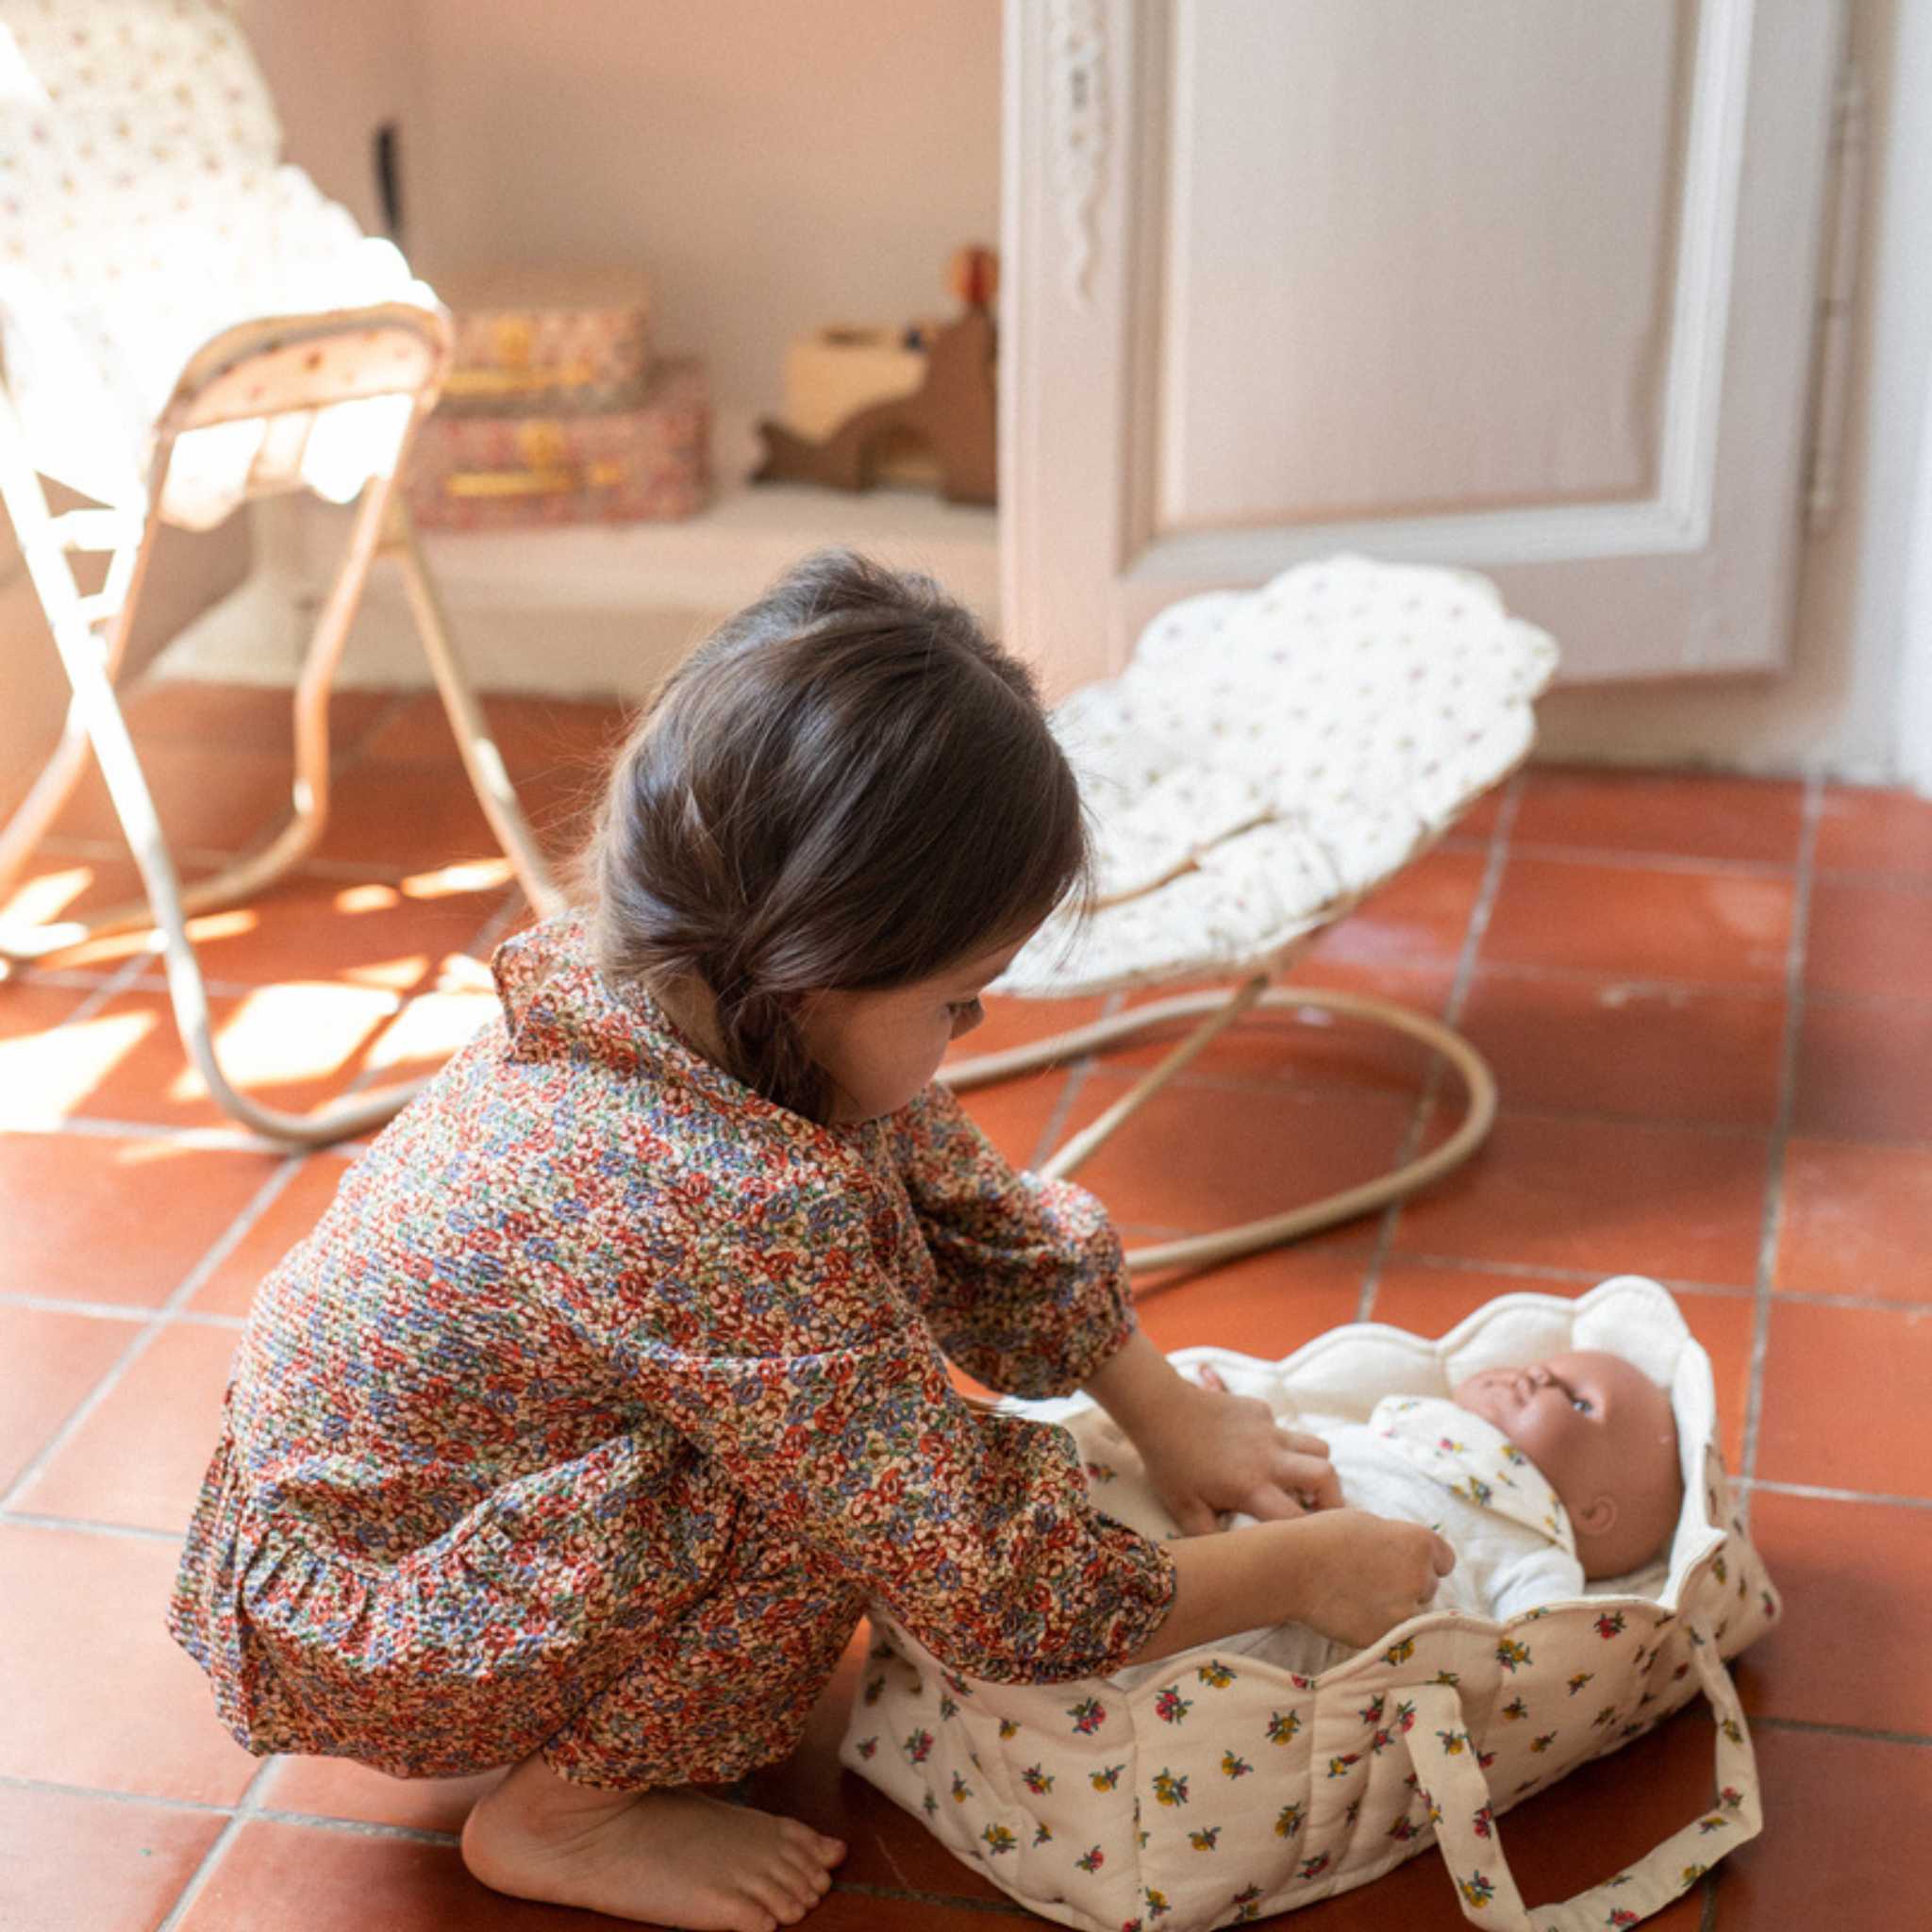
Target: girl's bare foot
676,1858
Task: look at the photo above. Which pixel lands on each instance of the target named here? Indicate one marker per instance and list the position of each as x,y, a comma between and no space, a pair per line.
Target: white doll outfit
1422,1460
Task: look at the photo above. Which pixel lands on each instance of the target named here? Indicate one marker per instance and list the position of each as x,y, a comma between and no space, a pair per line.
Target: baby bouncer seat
1266,760
187,325
1216,1788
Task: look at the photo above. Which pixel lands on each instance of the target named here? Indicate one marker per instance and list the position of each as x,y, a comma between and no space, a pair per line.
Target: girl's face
881,1049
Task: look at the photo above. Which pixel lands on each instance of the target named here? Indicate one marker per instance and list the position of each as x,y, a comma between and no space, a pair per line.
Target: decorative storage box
634,453
525,332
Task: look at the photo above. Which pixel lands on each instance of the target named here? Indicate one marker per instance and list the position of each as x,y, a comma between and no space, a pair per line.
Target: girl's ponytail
848,785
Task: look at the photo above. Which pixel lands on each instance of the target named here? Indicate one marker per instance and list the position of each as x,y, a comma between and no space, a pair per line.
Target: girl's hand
1208,1451
1358,1576
1352,1575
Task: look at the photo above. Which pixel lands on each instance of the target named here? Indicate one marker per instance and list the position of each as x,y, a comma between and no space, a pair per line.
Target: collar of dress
1476,1461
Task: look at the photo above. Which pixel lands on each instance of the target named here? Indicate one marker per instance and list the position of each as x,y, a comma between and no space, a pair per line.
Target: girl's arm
1029,1292
1351,1576
1207,1450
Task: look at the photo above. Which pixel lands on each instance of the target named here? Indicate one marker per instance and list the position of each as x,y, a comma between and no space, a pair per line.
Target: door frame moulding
1111,333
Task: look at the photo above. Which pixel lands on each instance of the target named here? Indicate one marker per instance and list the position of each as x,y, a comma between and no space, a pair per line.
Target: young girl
613,1383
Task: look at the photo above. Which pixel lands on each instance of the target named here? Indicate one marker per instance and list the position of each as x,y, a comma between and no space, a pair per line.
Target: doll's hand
1211,1451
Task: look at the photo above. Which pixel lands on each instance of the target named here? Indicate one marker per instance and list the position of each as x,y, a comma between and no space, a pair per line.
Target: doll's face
1604,1436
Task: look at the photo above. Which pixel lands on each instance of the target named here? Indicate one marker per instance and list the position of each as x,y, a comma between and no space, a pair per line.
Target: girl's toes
809,1882
796,1836
815,1845
776,1897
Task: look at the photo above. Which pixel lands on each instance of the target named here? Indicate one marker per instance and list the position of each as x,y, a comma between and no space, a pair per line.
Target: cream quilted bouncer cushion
144,209
1214,1786
1269,756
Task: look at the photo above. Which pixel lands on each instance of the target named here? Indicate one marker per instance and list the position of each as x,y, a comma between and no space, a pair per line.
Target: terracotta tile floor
1710,1001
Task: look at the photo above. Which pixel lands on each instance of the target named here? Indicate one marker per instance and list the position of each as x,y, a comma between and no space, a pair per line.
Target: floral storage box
525,333
636,453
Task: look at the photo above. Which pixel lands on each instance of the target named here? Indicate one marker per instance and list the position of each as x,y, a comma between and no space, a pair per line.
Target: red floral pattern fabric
606,1394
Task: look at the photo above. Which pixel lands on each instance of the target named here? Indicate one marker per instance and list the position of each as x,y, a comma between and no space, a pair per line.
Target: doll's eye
964,1009
1583,1405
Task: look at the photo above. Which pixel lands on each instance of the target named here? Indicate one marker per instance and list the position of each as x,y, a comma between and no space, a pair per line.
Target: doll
1541,1478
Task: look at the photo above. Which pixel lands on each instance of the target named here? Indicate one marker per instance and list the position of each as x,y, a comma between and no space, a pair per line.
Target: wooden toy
834,373
951,412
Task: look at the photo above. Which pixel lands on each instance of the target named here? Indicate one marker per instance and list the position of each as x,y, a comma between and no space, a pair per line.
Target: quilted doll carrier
1215,1787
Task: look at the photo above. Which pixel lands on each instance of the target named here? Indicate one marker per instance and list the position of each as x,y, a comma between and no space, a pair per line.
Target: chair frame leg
90,636
481,759
1221,1009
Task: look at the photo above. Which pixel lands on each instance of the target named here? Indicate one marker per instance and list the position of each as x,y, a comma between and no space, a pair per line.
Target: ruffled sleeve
974,1530
1030,1292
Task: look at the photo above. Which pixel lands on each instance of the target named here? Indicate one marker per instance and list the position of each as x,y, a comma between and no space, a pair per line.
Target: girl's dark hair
847,786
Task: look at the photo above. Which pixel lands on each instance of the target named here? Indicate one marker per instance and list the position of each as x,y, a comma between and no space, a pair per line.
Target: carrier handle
1458,1796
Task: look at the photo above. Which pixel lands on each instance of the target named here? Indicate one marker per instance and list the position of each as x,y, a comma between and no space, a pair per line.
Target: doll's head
847,791
1604,1436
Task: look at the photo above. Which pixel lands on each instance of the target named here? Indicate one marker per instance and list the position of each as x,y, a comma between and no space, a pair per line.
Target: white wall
773,165
337,74
1837,709
776,166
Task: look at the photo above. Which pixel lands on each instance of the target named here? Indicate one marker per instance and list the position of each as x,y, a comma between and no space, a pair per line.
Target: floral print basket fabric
1214,1789
1270,757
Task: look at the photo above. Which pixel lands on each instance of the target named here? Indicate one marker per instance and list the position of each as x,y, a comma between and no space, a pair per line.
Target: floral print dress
607,1393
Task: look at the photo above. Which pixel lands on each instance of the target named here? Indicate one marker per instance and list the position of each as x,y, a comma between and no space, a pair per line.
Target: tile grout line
79,978
13,1781
76,1417
1781,1128
225,1245
246,1807
1826,1493
1727,1291
1917,1741
237,1139
112,1312
1539,1271
164,1315
158,1320
273,1814
135,1532
1494,865
116,982
1298,1091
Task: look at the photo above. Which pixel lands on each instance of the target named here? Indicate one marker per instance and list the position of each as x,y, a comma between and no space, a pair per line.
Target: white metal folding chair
188,324
1266,760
